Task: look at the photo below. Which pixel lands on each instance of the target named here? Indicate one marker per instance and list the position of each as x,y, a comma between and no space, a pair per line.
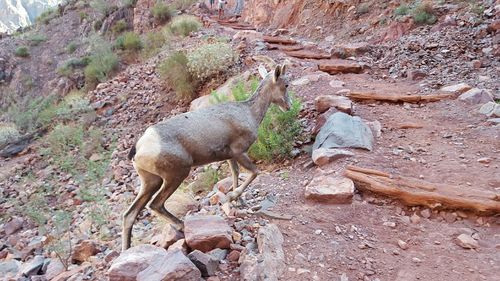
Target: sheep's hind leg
150,183
170,184
247,163
235,172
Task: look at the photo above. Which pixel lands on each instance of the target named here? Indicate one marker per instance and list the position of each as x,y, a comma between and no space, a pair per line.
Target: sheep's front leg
235,172
247,163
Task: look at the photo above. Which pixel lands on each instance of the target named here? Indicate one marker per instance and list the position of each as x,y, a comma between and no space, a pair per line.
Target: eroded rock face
147,262
206,233
142,15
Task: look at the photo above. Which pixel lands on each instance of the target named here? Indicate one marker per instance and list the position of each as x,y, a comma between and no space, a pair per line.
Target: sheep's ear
262,71
277,73
283,68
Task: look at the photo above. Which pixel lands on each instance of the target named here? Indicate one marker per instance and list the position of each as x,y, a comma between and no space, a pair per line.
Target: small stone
233,256
9,267
84,250
476,96
426,213
168,236
336,84
218,254
301,271
458,88
301,81
206,233
206,263
33,267
54,268
318,231
416,260
13,225
179,245
111,255
466,241
323,156
415,219
333,190
325,102
390,224
484,160
403,245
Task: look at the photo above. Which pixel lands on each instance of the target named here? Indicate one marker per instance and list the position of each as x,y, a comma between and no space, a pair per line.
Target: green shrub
161,12
36,39
154,41
71,48
100,6
129,41
424,14
8,133
70,65
83,16
184,25
175,71
402,10
97,25
128,3
278,130
209,60
22,52
119,26
102,62
47,16
182,4
25,113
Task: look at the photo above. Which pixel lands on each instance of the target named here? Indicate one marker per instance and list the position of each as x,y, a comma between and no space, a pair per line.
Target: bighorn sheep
165,153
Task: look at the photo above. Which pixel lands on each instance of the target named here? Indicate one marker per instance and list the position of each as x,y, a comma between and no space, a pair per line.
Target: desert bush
25,113
8,133
47,16
184,25
70,65
209,60
402,10
278,130
175,70
100,6
102,62
161,12
423,13
36,39
71,48
128,3
129,41
119,26
154,41
22,52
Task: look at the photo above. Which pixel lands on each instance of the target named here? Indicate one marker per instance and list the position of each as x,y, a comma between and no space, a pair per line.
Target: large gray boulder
344,131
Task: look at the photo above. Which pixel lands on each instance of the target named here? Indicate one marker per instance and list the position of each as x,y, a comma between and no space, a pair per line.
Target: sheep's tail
132,152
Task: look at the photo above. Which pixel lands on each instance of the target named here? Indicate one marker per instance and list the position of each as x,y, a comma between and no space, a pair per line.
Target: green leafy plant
71,48
154,42
36,39
184,25
129,41
161,12
8,133
209,60
402,10
70,65
119,26
102,62
25,113
47,15
60,237
175,71
22,52
100,6
128,3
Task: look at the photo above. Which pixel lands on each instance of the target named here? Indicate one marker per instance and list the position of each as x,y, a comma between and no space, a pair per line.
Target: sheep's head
278,87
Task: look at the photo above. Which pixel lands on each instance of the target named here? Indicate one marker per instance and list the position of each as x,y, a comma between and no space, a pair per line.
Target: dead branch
416,192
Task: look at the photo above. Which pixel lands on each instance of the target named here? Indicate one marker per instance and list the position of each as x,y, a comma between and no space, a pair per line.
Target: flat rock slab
490,109
308,54
340,66
457,88
279,40
325,102
147,262
323,156
344,131
330,190
206,233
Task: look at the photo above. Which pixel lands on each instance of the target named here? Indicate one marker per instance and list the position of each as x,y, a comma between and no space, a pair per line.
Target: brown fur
166,152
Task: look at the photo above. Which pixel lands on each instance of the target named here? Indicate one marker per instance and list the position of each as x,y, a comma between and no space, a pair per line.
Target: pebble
415,219
403,245
318,231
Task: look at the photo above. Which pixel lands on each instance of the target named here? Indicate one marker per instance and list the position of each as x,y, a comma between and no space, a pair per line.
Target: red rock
308,54
67,274
179,245
167,237
13,225
279,40
206,233
111,256
340,66
233,256
325,102
147,262
323,156
84,250
330,190
206,263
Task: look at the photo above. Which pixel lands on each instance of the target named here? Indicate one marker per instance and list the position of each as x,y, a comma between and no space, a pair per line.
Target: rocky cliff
21,13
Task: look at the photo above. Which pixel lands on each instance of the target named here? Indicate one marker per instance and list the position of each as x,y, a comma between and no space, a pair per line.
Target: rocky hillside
386,167
22,13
